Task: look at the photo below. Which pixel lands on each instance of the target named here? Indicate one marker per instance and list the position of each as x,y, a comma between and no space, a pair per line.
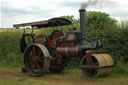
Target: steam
95,3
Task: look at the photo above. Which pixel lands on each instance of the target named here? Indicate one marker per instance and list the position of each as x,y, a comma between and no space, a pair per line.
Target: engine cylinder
66,50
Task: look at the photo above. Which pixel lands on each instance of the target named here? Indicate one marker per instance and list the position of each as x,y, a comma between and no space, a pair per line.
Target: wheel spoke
38,66
31,56
33,66
36,56
34,51
38,59
41,61
30,60
39,52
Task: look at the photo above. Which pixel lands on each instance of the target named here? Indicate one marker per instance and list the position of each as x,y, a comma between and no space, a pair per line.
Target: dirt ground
73,78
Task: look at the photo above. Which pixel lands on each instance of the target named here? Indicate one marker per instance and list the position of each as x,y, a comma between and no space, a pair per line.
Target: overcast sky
20,11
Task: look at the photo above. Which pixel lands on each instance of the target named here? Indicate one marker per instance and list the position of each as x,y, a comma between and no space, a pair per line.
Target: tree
99,20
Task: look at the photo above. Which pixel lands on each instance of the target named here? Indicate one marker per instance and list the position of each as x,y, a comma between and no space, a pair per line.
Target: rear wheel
36,59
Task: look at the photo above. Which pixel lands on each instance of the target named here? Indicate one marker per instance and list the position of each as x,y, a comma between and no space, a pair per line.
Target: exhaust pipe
84,43
82,25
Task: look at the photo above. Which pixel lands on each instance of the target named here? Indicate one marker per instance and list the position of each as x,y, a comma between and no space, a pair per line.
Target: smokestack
82,24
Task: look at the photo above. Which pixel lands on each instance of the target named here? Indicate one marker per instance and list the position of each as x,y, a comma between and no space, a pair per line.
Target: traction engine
52,53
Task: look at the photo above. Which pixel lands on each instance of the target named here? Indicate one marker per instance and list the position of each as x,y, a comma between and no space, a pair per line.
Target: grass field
13,76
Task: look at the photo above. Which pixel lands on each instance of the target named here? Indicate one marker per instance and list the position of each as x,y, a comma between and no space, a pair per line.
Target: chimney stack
83,24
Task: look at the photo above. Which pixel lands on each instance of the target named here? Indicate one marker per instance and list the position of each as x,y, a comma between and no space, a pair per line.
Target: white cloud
20,11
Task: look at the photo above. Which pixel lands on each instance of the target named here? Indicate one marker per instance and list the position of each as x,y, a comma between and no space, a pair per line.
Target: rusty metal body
52,53
66,50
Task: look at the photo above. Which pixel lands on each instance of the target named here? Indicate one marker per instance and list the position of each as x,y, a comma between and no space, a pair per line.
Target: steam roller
97,64
52,53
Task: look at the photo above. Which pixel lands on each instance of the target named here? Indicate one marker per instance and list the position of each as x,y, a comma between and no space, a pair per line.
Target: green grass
24,81
68,77
112,78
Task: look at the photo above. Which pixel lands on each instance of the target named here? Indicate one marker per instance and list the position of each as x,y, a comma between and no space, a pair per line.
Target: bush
9,48
120,68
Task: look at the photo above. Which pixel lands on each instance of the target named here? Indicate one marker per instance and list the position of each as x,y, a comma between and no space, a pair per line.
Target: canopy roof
46,23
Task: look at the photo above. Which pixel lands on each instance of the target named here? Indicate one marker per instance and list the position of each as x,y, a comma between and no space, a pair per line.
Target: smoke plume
95,3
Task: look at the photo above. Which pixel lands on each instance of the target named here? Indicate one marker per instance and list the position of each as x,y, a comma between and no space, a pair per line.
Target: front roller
100,64
36,59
